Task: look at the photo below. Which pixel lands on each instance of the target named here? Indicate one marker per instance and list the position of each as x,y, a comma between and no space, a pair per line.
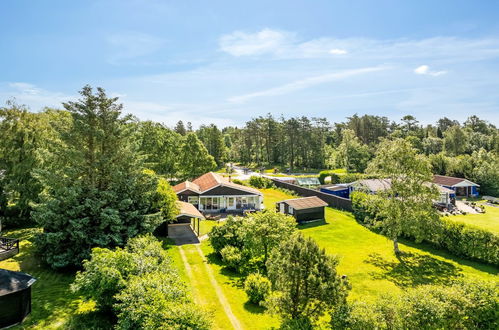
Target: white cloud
425,70
25,88
128,46
337,51
241,43
33,96
288,45
304,83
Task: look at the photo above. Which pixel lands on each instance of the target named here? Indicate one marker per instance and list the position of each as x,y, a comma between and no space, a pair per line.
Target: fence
8,247
333,201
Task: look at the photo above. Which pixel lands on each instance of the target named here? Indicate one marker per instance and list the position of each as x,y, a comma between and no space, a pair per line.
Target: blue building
460,186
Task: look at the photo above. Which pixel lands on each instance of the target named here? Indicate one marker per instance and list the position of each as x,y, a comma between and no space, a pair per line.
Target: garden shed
303,209
15,297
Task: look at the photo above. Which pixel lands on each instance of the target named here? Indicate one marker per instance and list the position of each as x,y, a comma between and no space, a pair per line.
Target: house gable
224,190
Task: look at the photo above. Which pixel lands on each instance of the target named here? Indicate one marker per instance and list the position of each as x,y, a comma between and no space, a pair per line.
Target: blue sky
228,61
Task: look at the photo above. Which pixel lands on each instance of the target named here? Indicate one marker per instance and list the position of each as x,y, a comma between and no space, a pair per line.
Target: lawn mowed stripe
202,288
221,296
251,316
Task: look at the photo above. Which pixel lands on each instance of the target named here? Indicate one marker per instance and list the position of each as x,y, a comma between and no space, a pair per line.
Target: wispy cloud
240,43
338,51
425,70
288,45
33,96
128,46
304,83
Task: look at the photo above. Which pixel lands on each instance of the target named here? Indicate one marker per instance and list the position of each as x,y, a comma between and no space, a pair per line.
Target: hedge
458,238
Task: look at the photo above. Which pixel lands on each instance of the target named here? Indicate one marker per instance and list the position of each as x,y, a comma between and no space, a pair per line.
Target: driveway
182,234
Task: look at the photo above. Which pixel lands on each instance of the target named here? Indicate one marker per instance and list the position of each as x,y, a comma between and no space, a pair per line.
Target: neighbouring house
212,193
303,209
460,186
15,297
373,186
188,214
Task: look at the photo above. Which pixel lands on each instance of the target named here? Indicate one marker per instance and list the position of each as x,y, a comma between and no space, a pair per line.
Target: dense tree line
469,150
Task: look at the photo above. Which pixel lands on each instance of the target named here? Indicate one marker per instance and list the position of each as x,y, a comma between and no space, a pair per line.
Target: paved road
182,234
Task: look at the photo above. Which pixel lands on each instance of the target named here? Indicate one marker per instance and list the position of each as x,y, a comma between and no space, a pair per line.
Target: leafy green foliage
351,154
139,284
158,300
227,234
304,280
257,287
462,305
23,138
408,205
96,192
458,238
161,147
195,159
248,241
213,140
107,271
232,257
261,182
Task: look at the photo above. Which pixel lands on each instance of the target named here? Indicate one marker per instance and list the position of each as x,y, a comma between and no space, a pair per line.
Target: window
194,200
281,207
290,210
210,203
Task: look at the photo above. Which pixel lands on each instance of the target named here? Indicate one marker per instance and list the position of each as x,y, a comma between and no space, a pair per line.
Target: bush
226,234
107,271
237,181
257,287
335,178
260,182
458,238
461,305
232,257
157,301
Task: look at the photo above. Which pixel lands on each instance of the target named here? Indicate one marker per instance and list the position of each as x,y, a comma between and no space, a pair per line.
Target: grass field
367,258
488,220
54,306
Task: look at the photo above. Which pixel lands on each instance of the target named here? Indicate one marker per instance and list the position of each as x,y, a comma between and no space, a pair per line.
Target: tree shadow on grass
234,278
254,309
94,320
413,269
487,268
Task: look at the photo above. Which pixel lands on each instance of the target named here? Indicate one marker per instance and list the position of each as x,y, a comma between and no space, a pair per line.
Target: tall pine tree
97,194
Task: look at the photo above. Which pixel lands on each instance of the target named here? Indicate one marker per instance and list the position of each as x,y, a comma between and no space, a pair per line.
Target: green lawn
53,304
206,225
367,258
488,220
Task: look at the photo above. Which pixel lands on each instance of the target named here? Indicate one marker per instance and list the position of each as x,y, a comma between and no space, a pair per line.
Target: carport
185,228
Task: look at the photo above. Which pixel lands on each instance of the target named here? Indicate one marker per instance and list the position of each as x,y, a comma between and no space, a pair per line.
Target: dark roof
209,181
14,281
449,180
373,185
187,209
335,188
305,202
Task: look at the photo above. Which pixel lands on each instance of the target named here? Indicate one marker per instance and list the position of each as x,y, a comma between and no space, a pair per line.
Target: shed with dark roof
15,297
303,209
